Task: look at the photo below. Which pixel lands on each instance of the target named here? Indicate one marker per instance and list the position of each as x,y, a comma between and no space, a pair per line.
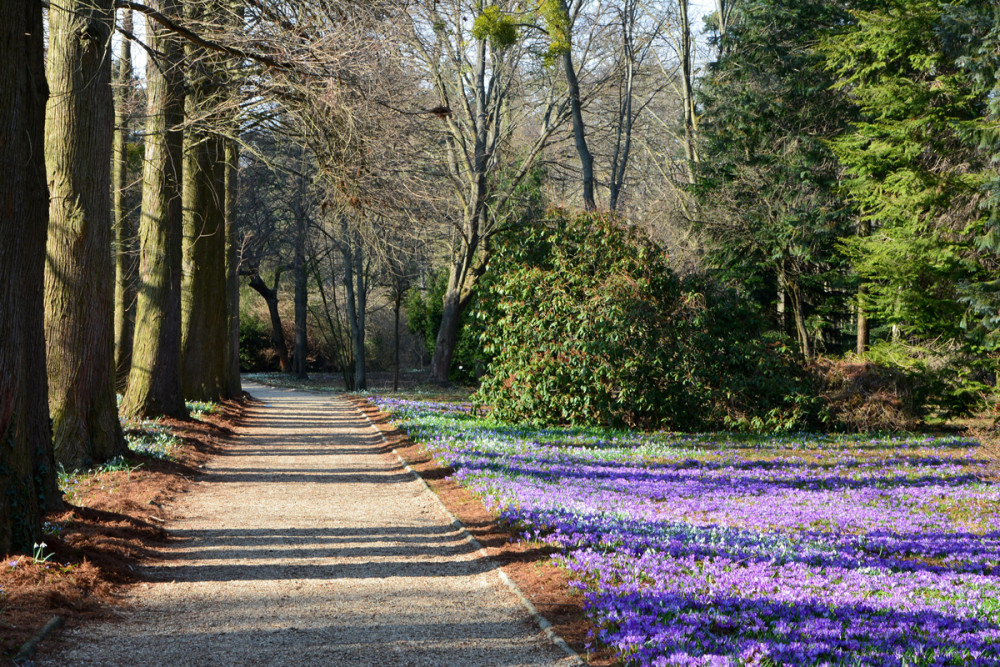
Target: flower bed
701,550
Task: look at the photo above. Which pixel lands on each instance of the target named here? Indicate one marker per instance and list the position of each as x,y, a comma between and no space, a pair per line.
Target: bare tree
482,100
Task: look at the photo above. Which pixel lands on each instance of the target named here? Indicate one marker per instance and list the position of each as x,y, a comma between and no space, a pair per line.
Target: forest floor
304,540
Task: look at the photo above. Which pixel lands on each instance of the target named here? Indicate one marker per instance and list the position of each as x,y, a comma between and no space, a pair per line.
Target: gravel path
307,543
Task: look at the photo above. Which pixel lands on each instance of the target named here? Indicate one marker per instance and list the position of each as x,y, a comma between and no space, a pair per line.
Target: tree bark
154,386
623,129
456,298
687,94
864,327
270,296
79,277
579,131
204,299
396,306
301,277
799,316
234,385
126,248
204,309
357,293
27,476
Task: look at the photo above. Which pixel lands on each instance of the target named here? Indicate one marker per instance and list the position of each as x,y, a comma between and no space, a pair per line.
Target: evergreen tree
767,180
978,26
910,171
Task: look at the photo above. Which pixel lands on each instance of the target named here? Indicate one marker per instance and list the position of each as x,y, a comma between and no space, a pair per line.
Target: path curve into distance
307,543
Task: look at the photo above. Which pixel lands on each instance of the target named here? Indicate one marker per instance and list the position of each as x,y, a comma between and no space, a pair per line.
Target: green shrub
587,324
255,338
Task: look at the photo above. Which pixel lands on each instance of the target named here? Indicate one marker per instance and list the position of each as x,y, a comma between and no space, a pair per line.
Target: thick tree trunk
270,297
204,299
361,294
301,294
27,485
79,277
154,385
126,248
451,316
234,386
204,309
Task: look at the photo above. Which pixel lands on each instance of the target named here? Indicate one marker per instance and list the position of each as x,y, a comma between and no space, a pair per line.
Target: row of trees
99,296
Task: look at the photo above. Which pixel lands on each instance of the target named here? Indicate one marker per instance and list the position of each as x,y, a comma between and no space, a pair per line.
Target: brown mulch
115,526
529,565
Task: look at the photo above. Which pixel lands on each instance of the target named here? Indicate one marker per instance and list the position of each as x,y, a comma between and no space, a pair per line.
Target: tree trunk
354,283
154,385
127,251
623,129
234,385
447,338
579,131
864,327
361,293
27,485
396,305
79,277
204,314
301,294
204,299
277,329
687,94
799,315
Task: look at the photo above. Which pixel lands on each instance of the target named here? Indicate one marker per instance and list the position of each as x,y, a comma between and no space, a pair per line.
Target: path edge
543,623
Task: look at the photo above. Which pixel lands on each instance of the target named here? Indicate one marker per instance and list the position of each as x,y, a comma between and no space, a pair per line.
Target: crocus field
710,550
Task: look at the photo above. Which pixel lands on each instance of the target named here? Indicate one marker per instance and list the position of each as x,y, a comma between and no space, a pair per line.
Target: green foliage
496,26
555,18
977,25
946,381
424,310
255,338
767,181
587,325
911,174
